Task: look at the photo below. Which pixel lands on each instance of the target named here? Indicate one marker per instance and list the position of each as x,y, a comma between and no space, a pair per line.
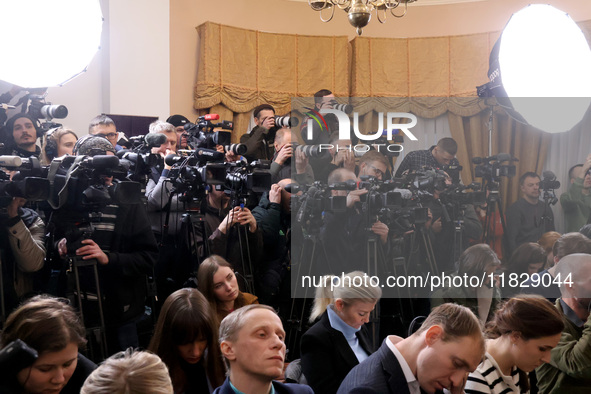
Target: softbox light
540,69
47,42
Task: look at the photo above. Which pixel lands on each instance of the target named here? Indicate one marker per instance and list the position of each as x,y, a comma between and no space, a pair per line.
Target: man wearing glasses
104,126
373,163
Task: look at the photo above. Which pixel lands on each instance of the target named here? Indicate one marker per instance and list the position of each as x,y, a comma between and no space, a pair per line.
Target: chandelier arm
342,4
325,4
331,15
380,18
405,10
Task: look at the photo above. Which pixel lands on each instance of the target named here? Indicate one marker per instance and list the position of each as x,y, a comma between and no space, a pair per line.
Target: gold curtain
523,142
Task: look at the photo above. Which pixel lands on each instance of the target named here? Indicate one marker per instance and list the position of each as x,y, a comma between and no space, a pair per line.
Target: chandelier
359,11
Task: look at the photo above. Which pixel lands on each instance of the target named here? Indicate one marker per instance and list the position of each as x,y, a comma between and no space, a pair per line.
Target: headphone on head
51,144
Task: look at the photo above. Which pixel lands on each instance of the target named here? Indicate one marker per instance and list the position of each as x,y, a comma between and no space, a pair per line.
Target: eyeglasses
108,135
376,171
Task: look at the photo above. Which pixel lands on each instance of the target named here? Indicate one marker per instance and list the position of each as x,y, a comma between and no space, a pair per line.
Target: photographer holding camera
258,141
281,163
346,234
22,250
529,217
576,202
440,156
117,236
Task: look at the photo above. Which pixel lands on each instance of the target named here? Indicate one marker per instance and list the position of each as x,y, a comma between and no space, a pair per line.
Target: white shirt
413,384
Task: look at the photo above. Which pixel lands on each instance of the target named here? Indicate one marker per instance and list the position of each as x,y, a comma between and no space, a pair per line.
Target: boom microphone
10,161
154,140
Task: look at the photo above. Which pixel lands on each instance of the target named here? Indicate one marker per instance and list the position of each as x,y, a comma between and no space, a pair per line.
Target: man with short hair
440,355
281,165
104,126
259,140
21,132
576,202
374,164
528,218
440,156
569,368
252,342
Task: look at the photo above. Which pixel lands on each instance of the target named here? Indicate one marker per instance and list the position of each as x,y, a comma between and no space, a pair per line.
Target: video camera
491,169
202,135
27,183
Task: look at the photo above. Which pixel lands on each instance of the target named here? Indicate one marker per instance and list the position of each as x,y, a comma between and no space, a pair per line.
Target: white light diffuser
543,54
48,42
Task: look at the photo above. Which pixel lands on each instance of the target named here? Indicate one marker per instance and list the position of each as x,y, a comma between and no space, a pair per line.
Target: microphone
154,140
171,159
293,188
346,185
548,175
404,193
102,161
10,161
209,117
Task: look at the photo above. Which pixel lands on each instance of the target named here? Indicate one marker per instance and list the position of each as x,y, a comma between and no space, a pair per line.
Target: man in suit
252,344
448,346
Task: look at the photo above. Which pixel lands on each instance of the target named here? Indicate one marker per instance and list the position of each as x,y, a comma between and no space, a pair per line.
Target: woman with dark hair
217,281
52,328
478,261
186,339
529,258
517,344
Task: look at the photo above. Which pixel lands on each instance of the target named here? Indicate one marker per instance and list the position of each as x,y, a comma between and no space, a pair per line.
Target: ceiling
425,2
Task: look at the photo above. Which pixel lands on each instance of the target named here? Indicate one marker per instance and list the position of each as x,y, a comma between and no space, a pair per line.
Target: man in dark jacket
252,342
120,240
260,139
273,216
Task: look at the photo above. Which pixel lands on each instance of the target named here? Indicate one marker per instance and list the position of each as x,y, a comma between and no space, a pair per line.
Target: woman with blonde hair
217,281
186,339
57,142
129,372
338,341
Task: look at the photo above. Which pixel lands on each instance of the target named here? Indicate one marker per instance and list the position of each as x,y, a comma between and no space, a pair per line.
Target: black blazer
327,357
381,373
280,388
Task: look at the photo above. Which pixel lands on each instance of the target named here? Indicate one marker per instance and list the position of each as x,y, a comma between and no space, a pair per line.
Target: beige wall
283,16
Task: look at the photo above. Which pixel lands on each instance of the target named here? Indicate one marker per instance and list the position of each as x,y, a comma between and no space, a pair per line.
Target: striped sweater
487,378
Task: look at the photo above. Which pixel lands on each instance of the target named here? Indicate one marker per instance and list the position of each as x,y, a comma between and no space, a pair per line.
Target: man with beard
21,132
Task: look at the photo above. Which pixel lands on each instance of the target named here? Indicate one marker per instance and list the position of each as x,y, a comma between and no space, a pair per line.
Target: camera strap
63,193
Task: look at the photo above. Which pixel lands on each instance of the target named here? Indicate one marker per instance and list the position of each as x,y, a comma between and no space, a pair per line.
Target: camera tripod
493,201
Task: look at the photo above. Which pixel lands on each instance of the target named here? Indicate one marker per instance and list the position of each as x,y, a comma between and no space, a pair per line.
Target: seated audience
529,258
568,370
252,341
476,261
217,281
58,142
185,338
339,340
547,241
129,372
517,343
543,283
438,356
52,328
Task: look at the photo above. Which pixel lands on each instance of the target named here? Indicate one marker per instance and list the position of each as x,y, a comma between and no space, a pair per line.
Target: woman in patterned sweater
520,336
